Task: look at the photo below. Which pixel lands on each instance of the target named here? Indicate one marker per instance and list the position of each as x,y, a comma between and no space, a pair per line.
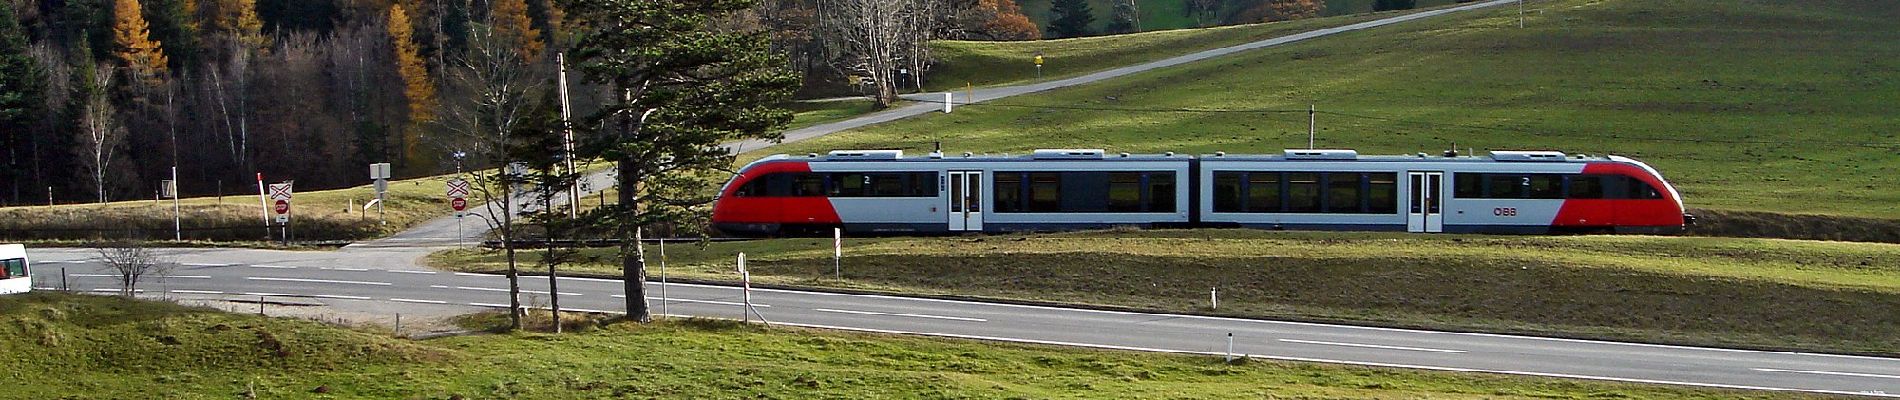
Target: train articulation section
881,191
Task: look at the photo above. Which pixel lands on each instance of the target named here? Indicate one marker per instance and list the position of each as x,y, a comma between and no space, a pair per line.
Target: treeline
99,99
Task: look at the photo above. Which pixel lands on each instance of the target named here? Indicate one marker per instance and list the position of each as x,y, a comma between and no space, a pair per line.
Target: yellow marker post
1038,66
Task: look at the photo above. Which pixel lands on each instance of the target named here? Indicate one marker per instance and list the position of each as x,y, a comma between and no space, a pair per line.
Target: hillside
1173,14
69,346
1750,105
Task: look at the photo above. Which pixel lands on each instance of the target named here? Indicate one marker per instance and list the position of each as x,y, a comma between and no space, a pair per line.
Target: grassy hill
1746,105
72,346
1157,15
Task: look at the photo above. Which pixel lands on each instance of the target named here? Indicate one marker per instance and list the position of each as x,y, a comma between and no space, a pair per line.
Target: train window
1470,185
1342,193
808,185
1160,192
1586,187
849,184
1382,194
1263,192
1226,191
1642,190
883,184
752,188
1501,186
1547,186
1009,192
1124,192
1303,192
1045,192
922,184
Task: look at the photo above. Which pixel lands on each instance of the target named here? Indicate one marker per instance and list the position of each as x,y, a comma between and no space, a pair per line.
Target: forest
101,99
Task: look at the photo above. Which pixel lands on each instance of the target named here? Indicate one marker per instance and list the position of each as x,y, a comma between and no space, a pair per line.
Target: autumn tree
132,43
1126,19
1003,20
416,85
1070,18
511,25
680,91
1282,10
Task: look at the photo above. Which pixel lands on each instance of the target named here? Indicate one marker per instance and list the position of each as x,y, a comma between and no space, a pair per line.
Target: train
883,192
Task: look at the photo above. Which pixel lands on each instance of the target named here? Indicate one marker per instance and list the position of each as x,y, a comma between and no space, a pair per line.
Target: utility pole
178,226
1312,124
567,140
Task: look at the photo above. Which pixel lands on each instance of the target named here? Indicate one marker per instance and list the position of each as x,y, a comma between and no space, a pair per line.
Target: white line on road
1371,346
164,277
419,301
338,296
271,266
260,278
469,274
833,310
439,286
268,294
205,264
723,303
504,290
119,290
344,269
196,291
1853,374
404,271
489,305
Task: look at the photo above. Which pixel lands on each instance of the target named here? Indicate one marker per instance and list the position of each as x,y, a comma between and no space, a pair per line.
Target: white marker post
663,300
837,253
745,293
1213,298
1230,347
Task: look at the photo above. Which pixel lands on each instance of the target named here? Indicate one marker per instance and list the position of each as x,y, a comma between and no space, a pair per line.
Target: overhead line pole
567,134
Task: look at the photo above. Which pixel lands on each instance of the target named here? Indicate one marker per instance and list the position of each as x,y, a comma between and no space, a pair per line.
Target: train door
1424,211
966,200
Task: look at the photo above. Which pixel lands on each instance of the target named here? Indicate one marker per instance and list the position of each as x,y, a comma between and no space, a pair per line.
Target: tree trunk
633,267
507,245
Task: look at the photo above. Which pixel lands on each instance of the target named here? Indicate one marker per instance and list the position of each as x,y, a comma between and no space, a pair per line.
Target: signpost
380,173
280,194
1038,65
458,200
169,188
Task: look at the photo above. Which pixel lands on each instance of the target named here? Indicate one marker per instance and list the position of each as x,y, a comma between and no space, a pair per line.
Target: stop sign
458,204
283,206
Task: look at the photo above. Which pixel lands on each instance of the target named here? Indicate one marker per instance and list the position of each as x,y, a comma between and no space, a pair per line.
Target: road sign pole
178,226
264,201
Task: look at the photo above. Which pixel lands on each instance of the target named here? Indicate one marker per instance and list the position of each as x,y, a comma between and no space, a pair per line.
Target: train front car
769,193
1549,192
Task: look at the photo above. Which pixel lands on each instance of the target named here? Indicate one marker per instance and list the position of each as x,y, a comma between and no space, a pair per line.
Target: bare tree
134,262
101,132
875,38
495,89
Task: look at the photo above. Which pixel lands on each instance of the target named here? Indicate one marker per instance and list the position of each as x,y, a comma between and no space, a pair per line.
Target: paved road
343,278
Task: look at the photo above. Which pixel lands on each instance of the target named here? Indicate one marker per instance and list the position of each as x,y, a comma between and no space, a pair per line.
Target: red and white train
882,191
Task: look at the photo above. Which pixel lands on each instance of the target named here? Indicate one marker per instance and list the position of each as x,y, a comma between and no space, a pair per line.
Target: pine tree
416,84
21,92
174,23
1127,17
509,19
144,58
1071,18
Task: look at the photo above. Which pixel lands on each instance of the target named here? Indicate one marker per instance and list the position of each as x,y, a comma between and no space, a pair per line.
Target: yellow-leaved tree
416,85
132,42
510,20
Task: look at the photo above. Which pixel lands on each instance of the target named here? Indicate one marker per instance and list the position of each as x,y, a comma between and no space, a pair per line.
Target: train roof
1099,154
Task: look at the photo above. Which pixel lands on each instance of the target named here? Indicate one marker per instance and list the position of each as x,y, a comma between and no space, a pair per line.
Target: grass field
1159,15
1746,105
316,215
68,346
984,63
1762,293
808,113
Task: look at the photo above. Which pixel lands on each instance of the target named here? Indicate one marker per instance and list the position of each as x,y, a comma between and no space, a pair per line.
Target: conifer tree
416,85
144,58
21,94
1070,18
509,19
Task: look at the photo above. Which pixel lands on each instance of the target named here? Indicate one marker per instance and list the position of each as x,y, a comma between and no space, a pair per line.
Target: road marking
469,274
404,271
205,264
260,278
344,269
268,294
338,296
1371,346
832,310
155,277
489,305
196,291
60,262
676,299
576,278
118,290
419,301
271,266
439,286
1853,374
504,290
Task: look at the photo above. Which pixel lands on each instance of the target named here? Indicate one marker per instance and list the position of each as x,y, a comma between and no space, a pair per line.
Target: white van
15,276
